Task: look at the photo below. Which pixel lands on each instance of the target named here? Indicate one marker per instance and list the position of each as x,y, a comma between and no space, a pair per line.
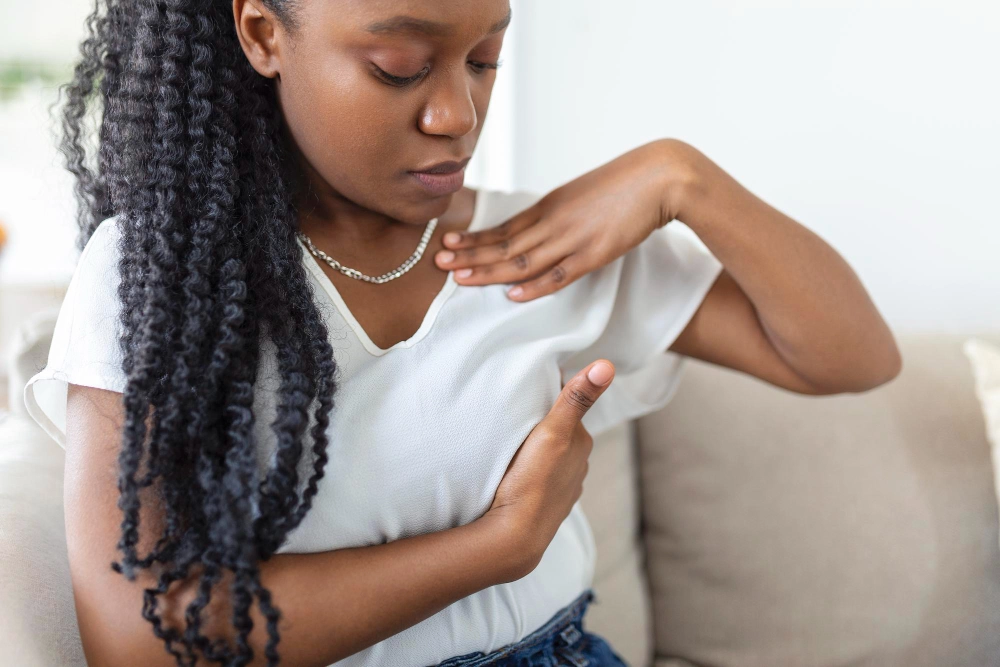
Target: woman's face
372,91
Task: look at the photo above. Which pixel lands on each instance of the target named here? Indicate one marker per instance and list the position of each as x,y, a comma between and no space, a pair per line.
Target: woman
376,469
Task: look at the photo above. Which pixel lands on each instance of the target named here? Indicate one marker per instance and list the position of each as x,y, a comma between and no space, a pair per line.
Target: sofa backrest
860,529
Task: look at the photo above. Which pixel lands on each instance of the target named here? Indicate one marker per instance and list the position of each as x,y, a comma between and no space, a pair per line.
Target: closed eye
397,80
400,82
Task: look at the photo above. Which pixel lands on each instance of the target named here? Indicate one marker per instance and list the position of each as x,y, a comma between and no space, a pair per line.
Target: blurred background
874,123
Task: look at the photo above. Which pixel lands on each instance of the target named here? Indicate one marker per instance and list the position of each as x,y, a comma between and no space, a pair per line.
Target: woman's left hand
578,227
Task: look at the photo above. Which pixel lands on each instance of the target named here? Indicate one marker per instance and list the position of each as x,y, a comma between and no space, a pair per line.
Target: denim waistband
564,628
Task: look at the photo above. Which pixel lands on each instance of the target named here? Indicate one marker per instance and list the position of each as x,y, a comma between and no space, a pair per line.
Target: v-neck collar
425,326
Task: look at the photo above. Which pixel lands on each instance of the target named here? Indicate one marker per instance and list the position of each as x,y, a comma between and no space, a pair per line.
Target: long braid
193,162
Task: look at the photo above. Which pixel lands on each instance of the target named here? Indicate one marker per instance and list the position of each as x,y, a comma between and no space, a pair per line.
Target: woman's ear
260,33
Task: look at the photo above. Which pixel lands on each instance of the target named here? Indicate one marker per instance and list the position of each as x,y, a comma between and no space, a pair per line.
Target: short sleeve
84,349
660,284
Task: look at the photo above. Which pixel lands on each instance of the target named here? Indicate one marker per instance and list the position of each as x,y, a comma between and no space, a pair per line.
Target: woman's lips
441,184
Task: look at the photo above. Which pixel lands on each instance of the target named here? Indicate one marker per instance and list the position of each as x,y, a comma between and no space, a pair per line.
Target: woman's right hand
545,478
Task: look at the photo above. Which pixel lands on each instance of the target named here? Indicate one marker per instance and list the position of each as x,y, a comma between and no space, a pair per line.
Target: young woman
312,445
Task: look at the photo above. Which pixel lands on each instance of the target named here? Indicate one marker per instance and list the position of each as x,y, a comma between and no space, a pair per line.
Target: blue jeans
561,641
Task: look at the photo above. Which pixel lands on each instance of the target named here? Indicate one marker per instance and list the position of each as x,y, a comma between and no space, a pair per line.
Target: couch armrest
27,354
38,626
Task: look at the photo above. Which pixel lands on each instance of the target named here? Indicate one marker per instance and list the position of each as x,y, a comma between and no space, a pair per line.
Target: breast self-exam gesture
421,574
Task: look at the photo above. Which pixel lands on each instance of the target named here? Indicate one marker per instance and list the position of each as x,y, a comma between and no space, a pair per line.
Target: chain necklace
385,277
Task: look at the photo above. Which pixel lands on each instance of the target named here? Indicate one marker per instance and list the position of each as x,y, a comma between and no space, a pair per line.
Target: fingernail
599,373
516,291
463,273
446,255
452,237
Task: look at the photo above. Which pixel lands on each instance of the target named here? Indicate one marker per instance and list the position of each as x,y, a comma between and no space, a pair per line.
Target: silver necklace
385,277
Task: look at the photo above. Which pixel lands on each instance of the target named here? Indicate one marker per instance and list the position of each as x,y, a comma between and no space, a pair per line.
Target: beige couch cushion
37,616
858,529
620,612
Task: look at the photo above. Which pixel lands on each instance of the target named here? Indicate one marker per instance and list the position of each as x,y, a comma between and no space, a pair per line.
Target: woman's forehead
429,19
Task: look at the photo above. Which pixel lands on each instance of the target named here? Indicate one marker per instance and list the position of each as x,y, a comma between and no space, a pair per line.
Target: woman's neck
351,232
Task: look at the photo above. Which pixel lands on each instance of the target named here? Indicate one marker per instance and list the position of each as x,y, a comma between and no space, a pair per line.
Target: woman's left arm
786,307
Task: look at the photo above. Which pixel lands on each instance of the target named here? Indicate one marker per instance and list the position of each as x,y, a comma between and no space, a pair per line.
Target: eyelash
400,82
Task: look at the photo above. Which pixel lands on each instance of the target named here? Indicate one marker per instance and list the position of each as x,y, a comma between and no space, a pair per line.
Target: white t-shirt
422,433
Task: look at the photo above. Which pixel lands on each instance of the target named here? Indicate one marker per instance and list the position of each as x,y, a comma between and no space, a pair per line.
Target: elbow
881,368
866,376
138,647
890,362
881,371
122,643
890,365
115,633
895,364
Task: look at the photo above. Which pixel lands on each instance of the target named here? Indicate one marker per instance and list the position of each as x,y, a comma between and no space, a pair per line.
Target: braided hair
193,159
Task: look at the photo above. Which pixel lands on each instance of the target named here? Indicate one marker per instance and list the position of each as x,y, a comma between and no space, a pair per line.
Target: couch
741,526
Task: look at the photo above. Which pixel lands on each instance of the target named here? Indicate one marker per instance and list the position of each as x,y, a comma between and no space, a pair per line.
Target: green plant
15,75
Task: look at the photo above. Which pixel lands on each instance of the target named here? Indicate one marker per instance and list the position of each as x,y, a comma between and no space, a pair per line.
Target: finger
580,393
553,280
523,266
505,230
493,253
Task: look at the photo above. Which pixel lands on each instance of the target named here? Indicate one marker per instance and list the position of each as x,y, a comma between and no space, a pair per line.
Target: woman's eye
399,81
484,66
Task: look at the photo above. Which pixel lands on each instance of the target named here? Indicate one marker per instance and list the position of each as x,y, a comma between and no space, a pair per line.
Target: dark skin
356,137
787,309
421,574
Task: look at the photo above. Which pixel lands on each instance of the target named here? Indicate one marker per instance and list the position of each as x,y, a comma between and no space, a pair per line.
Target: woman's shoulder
495,206
101,246
99,260
107,231
91,296
84,349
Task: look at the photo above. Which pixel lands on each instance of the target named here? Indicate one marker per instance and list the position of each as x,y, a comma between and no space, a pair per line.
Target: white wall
42,30
874,123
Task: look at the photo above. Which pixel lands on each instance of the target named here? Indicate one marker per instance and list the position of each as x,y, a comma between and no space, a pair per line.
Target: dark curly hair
192,157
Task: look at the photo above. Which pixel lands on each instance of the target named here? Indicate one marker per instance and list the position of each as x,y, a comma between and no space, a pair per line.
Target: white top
422,432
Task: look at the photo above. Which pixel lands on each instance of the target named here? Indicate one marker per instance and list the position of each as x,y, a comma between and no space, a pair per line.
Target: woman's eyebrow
404,24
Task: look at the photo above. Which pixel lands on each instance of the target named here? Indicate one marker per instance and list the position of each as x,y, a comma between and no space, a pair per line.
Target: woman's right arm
333,603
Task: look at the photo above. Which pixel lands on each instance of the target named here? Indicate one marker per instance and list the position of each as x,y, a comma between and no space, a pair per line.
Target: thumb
581,392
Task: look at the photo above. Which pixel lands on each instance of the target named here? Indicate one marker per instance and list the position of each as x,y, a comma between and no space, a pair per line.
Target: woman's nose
451,110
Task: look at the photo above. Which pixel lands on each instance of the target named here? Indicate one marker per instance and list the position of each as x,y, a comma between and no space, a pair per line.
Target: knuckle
546,433
521,262
579,399
558,274
503,248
